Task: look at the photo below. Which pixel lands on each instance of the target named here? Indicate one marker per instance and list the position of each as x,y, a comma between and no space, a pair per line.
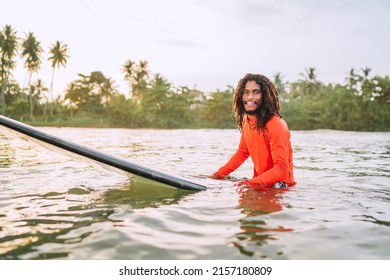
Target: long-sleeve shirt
270,150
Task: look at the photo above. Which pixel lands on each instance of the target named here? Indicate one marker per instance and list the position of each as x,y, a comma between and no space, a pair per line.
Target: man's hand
243,183
214,176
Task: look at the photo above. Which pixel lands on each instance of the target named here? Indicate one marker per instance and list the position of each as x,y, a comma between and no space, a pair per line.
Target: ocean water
54,206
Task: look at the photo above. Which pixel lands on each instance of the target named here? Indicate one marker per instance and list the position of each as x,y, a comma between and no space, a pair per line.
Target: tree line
362,102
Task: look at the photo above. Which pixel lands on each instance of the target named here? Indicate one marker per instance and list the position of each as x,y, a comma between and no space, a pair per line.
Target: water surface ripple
53,206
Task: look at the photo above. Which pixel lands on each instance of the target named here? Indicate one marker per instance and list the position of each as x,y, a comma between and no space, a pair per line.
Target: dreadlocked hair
269,103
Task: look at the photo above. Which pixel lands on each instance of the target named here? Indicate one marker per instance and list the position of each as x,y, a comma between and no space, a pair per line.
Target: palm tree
8,51
32,51
280,84
136,75
366,72
128,70
361,83
58,57
107,90
352,79
36,90
40,90
143,68
367,84
141,75
310,83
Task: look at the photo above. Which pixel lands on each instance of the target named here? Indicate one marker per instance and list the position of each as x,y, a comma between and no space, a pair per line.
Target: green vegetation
93,100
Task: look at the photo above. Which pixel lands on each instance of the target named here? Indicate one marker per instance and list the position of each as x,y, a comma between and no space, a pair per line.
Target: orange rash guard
270,151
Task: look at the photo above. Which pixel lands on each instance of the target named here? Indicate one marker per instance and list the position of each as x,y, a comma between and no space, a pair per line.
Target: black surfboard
100,157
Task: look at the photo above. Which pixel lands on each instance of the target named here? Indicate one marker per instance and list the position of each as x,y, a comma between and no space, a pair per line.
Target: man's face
251,97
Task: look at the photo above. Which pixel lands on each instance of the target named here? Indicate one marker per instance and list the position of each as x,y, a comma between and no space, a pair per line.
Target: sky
206,44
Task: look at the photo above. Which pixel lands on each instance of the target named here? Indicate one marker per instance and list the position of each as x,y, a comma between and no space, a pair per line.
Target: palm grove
361,103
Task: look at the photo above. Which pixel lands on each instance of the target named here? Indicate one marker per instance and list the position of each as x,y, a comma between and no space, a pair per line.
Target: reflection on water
49,236
7,153
255,232
54,233
141,193
260,202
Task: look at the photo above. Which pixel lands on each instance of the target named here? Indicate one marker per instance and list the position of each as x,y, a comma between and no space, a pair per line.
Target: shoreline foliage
362,103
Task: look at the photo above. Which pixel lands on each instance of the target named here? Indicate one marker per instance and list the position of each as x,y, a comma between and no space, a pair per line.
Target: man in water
265,136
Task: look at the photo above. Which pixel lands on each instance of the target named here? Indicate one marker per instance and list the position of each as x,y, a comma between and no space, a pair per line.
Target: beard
254,111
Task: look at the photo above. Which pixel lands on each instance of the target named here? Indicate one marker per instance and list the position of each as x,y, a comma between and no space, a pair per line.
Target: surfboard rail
100,157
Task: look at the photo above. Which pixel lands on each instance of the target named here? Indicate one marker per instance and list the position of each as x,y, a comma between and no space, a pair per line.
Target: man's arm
234,162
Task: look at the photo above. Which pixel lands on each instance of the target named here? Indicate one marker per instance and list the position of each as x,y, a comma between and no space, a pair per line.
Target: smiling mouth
250,103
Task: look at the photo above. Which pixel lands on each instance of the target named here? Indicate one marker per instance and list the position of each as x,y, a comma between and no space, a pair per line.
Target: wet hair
269,103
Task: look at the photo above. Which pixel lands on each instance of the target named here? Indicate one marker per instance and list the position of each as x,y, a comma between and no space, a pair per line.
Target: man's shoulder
276,119
276,122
